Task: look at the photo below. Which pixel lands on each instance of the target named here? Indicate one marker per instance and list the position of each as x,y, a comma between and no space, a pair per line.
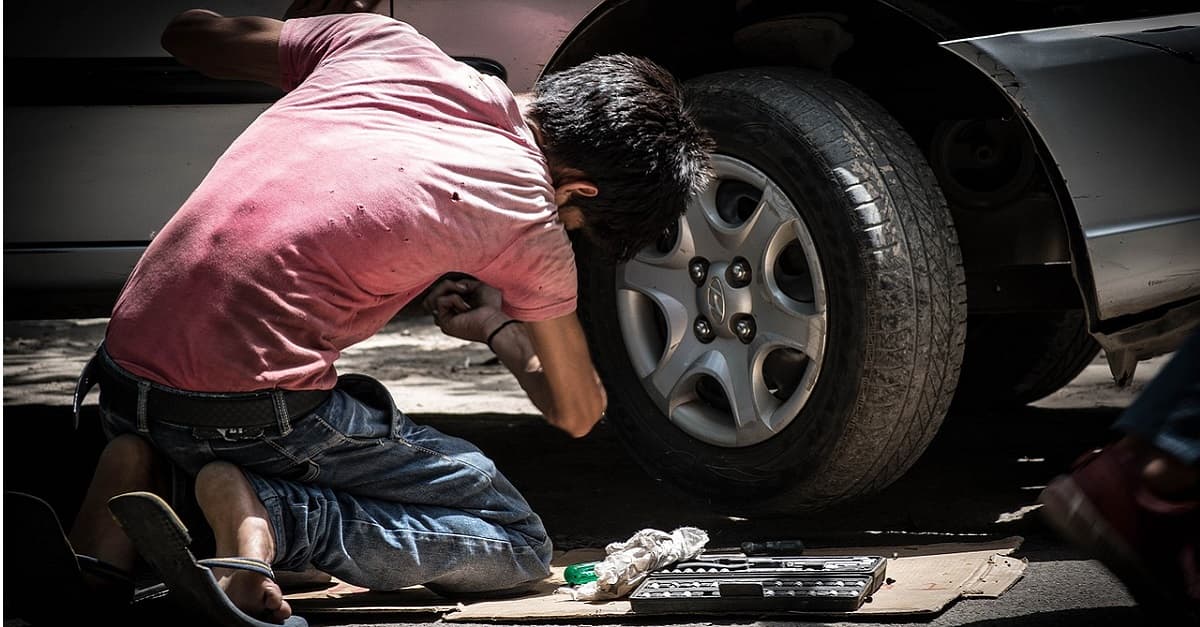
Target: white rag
628,563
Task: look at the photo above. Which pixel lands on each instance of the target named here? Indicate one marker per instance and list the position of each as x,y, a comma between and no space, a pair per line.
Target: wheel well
1007,218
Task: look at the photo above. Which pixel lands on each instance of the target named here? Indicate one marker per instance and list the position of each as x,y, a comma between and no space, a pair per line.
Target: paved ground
978,480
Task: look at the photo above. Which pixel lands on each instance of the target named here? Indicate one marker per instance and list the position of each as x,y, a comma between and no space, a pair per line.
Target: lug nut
745,329
738,273
704,330
698,270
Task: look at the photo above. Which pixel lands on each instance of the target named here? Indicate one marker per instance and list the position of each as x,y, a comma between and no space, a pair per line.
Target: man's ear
564,192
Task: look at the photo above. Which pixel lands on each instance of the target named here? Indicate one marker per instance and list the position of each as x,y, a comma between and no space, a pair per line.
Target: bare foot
241,529
254,594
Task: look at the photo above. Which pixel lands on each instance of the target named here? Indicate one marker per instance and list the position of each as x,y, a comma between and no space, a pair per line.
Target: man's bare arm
551,362
550,359
238,48
242,48
515,350
566,383
310,8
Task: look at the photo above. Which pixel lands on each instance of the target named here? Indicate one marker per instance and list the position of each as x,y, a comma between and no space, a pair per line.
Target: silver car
919,203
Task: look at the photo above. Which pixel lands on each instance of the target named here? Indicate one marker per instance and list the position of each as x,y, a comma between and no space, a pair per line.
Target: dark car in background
918,203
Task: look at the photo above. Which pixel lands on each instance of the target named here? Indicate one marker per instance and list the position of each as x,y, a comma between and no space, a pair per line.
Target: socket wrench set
741,583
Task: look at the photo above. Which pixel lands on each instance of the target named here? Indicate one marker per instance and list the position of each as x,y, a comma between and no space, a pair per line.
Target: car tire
856,286
1015,359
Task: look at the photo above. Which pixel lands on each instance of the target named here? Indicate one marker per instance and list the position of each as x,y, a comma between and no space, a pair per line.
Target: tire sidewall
796,458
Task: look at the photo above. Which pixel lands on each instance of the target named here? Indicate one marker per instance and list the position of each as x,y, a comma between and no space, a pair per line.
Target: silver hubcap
725,319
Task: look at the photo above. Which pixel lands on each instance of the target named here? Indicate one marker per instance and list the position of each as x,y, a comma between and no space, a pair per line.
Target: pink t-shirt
386,165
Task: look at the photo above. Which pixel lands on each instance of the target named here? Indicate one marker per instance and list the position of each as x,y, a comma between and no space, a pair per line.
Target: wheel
796,340
1017,358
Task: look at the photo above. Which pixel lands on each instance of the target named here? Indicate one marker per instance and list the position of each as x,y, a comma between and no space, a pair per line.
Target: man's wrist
495,332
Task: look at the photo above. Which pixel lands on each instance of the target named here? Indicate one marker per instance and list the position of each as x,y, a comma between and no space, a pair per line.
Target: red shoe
1151,544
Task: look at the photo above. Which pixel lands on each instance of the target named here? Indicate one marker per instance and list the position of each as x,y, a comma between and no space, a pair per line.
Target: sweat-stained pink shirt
386,165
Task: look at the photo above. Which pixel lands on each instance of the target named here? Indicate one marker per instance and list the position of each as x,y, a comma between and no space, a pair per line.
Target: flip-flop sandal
162,539
51,586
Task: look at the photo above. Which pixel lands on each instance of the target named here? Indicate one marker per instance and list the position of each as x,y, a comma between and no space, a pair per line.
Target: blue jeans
361,492
1167,412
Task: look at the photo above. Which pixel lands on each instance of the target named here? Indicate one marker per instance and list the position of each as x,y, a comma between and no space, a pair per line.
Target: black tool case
738,583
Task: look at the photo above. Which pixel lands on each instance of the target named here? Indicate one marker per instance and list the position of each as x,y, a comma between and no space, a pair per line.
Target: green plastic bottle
581,573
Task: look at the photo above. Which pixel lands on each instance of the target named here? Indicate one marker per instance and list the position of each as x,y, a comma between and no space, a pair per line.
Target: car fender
1114,106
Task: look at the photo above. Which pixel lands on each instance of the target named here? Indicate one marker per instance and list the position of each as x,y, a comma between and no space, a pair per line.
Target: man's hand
466,308
310,8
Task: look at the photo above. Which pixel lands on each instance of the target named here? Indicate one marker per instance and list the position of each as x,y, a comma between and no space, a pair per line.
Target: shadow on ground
979,479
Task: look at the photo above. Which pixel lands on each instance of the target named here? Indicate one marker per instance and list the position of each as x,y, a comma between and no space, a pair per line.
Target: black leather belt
119,392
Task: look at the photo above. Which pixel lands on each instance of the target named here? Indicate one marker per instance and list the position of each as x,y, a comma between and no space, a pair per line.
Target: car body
1021,192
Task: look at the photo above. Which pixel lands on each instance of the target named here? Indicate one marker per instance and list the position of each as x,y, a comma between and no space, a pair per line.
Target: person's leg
385,545
1163,425
356,465
241,529
1135,504
128,463
365,494
58,584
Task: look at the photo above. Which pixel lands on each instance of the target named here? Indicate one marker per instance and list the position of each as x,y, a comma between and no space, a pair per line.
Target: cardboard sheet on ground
921,579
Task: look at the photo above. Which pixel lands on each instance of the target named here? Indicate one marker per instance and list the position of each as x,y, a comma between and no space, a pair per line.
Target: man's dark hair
621,121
